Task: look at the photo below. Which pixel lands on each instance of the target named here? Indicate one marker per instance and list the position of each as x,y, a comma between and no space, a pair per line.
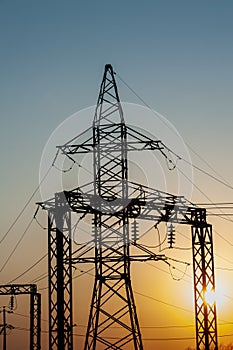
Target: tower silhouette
116,204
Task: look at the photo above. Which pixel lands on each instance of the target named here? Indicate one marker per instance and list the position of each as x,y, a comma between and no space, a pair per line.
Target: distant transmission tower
116,204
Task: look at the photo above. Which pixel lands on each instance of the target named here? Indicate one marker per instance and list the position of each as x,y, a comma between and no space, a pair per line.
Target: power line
186,161
40,278
207,163
180,158
75,277
193,165
74,162
44,275
163,302
219,256
223,238
143,327
26,316
136,292
224,268
157,300
206,173
144,339
189,276
16,246
29,269
28,330
203,193
25,206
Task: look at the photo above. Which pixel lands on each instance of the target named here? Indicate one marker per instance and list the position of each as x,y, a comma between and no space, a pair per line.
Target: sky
177,56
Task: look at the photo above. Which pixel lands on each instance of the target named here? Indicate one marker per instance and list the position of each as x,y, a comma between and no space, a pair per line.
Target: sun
214,296
210,296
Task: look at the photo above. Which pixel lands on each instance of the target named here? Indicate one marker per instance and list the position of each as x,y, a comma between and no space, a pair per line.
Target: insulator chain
12,303
171,235
135,231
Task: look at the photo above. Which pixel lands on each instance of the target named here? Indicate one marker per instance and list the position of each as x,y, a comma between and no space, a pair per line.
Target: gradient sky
177,55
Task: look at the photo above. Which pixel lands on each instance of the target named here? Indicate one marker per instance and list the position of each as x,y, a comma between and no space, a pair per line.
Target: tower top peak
108,108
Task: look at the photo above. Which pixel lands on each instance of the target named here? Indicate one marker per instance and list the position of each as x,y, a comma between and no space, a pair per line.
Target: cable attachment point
171,163
35,218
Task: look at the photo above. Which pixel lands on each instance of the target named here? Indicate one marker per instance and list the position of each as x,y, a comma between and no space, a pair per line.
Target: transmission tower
116,204
35,309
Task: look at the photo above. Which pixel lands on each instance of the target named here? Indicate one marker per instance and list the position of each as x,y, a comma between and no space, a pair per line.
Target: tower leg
204,284
113,319
60,277
115,327
35,321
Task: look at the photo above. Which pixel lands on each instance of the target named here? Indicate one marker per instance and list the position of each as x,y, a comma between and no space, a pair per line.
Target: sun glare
210,296
217,296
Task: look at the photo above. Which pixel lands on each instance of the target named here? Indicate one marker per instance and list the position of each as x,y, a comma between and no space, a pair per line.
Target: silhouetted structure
116,204
35,309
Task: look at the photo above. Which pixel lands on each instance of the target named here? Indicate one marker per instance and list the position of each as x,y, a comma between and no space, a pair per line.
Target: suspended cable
143,327
75,277
25,206
27,316
207,163
35,217
223,258
223,238
28,330
160,243
207,174
44,288
29,269
74,162
163,302
20,239
223,268
84,273
117,338
41,226
179,248
177,278
64,170
203,193
168,273
179,261
16,246
40,278
223,182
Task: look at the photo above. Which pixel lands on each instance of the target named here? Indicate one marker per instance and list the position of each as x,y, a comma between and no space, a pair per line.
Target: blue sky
177,55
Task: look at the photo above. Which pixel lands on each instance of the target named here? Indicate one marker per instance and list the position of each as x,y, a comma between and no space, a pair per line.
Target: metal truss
115,203
35,309
204,283
60,276
112,301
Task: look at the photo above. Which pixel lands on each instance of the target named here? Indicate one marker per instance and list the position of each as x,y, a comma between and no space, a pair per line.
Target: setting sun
210,296
217,296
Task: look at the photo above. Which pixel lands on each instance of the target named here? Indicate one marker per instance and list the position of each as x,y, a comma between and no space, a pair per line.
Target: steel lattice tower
60,275
35,309
115,203
112,256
